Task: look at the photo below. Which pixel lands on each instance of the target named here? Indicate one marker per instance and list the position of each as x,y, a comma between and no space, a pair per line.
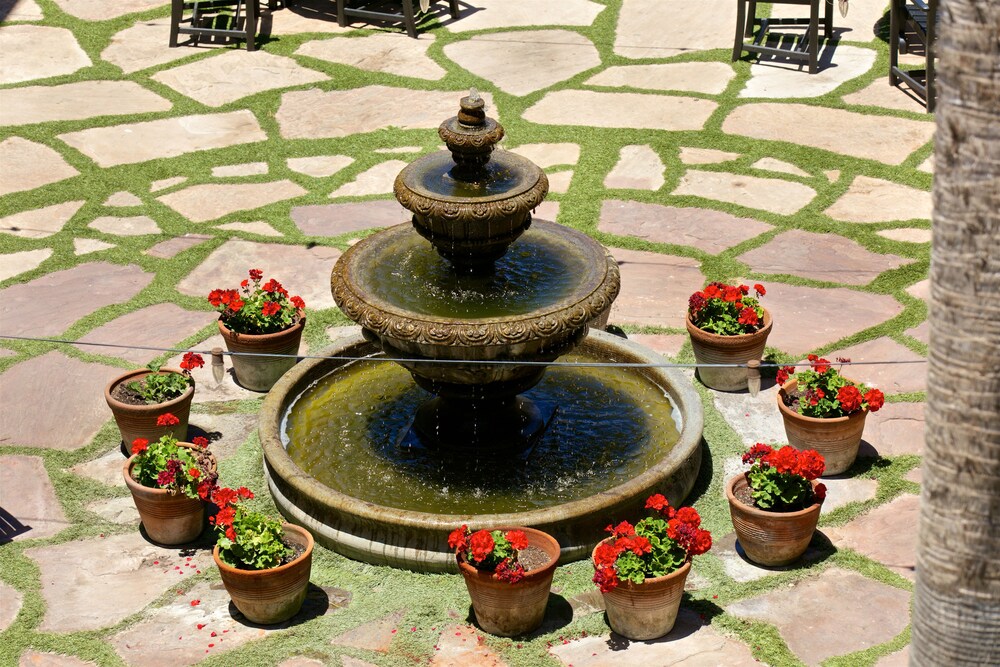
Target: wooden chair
746,19
917,18
372,10
215,19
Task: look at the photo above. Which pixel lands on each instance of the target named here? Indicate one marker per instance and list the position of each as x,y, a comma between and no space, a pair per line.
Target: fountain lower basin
401,525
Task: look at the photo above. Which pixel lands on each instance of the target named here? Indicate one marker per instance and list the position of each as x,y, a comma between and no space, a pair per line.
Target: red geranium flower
456,540
875,399
756,452
819,492
192,360
139,445
517,539
271,285
759,289
657,502
199,440
783,373
509,572
481,543
298,302
270,308
749,317
623,529
256,274
167,419
850,398
194,473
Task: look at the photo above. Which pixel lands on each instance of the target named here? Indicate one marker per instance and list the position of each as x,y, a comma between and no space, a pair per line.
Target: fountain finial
470,137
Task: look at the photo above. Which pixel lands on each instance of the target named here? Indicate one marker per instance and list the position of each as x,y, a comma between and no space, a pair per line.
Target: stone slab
754,418
11,607
259,227
208,201
768,194
920,290
549,155
642,299
236,170
105,469
693,155
15,263
842,491
829,602
160,325
141,46
399,149
88,246
892,378
897,659
29,165
638,168
692,643
53,379
46,306
876,200
921,332
801,324
844,261
76,101
916,475
376,180
21,10
741,569
564,53
846,132
669,345
30,52
627,110
650,29
778,77
234,74
99,591
880,94
695,77
772,164
209,391
887,534
711,231
860,25
121,510
379,53
131,143
896,429
375,635
123,198
175,246
166,183
319,166
559,181
228,264
337,219
521,13
302,661
138,225
102,10
907,235
39,659
306,16
40,222
317,114
461,646
29,497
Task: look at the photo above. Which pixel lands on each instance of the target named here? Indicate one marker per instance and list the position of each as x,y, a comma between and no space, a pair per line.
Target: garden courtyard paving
137,177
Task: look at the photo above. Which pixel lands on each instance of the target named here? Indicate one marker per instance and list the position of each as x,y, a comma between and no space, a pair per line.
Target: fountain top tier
473,203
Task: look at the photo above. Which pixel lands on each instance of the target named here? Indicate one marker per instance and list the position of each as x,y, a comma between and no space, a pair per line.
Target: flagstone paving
138,177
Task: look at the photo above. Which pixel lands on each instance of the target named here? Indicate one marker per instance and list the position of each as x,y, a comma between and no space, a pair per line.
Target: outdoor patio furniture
746,19
916,18
215,20
374,10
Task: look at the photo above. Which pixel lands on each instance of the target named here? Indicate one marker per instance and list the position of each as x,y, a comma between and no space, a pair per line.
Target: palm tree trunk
956,613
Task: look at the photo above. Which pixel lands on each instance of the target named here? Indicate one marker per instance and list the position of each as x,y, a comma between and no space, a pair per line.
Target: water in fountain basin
350,430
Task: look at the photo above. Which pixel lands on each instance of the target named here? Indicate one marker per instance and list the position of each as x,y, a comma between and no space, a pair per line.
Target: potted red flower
775,505
508,572
137,399
264,564
260,319
169,480
727,326
641,569
825,411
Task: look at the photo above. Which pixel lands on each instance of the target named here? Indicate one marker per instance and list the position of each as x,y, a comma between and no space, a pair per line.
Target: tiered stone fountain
474,301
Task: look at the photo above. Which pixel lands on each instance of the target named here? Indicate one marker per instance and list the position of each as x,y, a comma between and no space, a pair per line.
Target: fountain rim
594,295
533,178
680,391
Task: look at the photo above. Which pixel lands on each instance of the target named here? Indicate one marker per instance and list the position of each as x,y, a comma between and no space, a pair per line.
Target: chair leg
751,18
252,10
930,89
814,35
740,19
409,18
828,22
176,14
894,20
453,6
341,13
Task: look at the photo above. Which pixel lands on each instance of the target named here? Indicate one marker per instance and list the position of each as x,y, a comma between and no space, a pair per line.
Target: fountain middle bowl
377,530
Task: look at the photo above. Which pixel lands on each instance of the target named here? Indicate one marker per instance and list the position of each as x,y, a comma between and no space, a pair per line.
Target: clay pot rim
285,526
529,575
628,585
131,482
789,387
229,333
758,512
718,339
130,375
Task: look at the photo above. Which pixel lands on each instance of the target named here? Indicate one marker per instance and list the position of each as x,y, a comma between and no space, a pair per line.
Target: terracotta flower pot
710,348
645,611
770,538
507,609
139,421
836,438
260,373
168,518
276,594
